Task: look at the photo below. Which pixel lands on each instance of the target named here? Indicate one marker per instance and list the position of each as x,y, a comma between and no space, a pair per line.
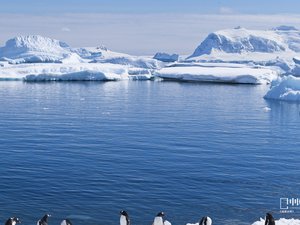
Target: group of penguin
124,220
42,221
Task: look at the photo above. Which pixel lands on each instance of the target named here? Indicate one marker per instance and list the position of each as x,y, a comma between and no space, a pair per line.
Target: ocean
86,150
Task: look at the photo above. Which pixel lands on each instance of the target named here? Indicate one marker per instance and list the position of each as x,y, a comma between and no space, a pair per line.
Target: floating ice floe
285,89
221,74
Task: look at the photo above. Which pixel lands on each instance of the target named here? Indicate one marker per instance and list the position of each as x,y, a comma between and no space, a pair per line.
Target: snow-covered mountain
34,48
240,41
38,49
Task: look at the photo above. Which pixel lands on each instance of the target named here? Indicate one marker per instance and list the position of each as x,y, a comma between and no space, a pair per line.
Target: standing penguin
158,220
44,220
124,218
66,222
12,221
206,220
269,219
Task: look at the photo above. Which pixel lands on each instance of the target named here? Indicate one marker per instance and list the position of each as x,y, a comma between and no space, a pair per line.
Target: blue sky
149,6
137,26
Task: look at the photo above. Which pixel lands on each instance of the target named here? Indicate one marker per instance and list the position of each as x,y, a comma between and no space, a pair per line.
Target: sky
140,27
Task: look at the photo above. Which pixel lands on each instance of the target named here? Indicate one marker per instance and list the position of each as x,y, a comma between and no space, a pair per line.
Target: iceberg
103,55
34,49
165,57
72,72
241,40
285,89
275,47
225,73
39,49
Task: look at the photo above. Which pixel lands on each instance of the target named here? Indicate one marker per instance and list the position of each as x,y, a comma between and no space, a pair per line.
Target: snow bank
72,72
240,75
281,221
165,57
285,89
103,55
34,49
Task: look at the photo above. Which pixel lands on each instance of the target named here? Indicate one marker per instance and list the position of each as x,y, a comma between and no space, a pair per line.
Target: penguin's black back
160,214
68,222
8,222
11,220
203,221
44,220
269,219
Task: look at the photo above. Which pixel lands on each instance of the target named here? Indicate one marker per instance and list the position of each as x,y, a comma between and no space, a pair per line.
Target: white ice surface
281,221
103,55
72,72
39,49
275,47
34,48
285,89
225,74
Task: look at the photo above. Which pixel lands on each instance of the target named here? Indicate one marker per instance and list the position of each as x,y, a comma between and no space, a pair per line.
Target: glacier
236,55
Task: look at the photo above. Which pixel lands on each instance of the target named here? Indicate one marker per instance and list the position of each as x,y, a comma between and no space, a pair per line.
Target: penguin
269,219
12,221
124,218
158,220
44,220
206,220
66,222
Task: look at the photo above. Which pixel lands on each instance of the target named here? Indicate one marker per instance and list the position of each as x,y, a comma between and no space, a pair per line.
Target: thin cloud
226,10
65,29
136,33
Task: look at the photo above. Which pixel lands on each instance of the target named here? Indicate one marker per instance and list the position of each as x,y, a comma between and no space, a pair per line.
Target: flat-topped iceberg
72,72
225,73
285,89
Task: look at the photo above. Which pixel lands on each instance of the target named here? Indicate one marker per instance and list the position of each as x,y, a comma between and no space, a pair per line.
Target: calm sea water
87,150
